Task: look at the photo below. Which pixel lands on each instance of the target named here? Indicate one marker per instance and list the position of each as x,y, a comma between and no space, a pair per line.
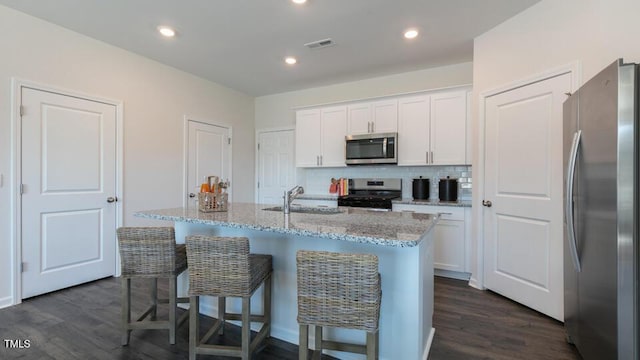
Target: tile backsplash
317,180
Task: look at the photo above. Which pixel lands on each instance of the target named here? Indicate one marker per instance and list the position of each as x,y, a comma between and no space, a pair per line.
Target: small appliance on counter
372,193
420,189
448,189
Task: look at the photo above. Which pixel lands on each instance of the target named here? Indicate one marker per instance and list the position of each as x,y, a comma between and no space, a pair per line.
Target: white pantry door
276,166
523,181
208,155
68,176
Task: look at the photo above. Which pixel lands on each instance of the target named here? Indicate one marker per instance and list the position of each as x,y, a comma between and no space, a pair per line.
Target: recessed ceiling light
299,1
166,31
411,34
290,60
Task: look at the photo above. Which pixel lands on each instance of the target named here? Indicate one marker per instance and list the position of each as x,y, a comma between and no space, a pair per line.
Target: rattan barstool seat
223,267
151,252
338,290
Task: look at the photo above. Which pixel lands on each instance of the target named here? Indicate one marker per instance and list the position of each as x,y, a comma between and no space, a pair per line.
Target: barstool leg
303,347
266,304
154,298
173,290
222,310
372,345
246,327
318,341
126,309
194,325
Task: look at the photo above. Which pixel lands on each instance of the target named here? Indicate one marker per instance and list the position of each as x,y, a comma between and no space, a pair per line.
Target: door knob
111,199
486,203
192,195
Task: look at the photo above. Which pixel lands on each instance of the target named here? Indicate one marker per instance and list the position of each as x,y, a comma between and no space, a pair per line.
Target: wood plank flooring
83,323
474,324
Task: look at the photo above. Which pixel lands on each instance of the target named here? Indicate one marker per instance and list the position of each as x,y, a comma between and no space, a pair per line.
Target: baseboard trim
452,274
432,333
6,302
473,282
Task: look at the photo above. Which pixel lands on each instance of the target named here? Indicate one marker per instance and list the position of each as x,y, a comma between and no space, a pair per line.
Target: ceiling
241,44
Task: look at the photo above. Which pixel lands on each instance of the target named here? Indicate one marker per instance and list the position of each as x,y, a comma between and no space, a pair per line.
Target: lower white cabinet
450,238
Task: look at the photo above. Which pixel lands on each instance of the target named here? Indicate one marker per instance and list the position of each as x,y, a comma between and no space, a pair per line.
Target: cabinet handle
368,126
426,154
317,160
320,160
373,127
432,157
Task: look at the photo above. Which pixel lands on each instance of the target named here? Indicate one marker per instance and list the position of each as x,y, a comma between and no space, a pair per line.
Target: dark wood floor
82,323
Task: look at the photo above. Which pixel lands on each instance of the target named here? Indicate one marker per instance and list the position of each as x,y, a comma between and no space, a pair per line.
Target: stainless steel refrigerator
601,215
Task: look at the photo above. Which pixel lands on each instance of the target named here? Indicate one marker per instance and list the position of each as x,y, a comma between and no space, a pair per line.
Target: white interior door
68,175
523,181
208,154
276,166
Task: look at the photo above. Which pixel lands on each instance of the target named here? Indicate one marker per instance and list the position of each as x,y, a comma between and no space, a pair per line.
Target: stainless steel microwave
371,149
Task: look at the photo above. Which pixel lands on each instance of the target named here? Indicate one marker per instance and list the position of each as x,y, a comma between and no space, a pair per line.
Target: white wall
277,110
156,98
548,35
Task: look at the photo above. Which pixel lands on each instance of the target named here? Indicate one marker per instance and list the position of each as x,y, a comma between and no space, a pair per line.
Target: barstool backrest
338,289
218,265
147,251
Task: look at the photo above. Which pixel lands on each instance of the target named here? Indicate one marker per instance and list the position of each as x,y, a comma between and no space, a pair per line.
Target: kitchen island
402,241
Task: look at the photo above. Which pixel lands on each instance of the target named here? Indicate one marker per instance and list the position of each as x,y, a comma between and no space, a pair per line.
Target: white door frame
575,69
185,164
16,168
257,155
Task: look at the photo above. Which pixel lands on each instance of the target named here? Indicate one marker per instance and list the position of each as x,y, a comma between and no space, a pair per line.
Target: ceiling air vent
320,44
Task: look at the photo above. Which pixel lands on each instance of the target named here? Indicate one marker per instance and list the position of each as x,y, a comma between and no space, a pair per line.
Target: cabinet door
333,131
385,116
448,245
449,128
308,138
413,130
359,118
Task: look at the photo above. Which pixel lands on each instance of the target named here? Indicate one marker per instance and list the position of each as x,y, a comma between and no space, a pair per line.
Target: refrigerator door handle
568,207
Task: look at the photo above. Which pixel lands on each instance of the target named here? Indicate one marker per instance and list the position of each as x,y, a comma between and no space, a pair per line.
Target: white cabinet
432,129
413,130
320,137
450,242
372,117
449,128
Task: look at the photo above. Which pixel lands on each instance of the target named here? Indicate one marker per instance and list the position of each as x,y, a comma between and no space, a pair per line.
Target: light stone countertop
395,229
433,202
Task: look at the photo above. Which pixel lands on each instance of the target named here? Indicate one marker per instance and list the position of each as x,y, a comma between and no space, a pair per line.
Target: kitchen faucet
290,195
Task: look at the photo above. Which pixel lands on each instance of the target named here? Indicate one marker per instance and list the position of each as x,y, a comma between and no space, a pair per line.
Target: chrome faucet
290,195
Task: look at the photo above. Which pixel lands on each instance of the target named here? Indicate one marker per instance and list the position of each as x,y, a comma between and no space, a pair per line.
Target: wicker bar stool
223,267
151,252
338,290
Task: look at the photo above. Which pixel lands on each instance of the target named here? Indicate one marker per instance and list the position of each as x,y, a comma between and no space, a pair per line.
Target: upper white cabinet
372,117
449,128
432,129
320,137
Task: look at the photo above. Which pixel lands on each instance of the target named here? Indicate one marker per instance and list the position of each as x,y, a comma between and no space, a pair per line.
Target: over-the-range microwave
371,149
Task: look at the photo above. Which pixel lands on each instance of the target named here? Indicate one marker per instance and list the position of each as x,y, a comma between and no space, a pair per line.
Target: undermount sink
307,210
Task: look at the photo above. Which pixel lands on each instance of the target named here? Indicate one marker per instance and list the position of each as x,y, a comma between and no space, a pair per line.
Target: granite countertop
395,229
433,202
317,197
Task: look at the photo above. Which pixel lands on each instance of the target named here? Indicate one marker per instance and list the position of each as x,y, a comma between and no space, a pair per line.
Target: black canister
420,189
448,189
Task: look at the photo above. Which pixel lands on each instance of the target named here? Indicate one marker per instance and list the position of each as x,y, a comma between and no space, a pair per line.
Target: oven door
371,149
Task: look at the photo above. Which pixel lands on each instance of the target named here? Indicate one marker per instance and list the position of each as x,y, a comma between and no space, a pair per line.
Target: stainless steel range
372,193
